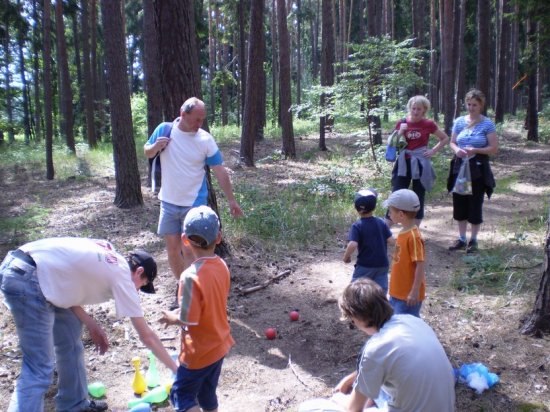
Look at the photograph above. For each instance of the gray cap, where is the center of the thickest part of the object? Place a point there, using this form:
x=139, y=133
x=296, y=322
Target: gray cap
x=403, y=199
x=201, y=222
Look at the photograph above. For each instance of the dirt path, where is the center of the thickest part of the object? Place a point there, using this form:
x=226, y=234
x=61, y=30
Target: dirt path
x=310, y=355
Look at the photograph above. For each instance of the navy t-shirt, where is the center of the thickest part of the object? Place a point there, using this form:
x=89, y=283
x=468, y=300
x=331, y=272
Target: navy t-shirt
x=371, y=235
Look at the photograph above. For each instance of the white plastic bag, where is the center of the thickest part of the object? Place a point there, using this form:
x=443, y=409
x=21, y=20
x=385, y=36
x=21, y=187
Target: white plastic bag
x=463, y=182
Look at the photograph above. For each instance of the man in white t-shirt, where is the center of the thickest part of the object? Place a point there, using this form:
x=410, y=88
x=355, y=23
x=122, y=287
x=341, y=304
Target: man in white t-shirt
x=45, y=284
x=402, y=364
x=185, y=149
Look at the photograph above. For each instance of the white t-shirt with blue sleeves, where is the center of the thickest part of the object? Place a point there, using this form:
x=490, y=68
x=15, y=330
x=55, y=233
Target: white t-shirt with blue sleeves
x=182, y=161
x=475, y=136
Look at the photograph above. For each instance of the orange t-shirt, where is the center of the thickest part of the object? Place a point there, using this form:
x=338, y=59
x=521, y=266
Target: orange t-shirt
x=409, y=249
x=203, y=291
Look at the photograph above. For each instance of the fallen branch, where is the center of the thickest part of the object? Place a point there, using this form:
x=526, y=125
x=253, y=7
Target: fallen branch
x=296, y=374
x=265, y=284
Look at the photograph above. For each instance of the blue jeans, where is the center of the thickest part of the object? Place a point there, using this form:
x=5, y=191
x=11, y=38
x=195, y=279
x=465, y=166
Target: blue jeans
x=193, y=386
x=379, y=275
x=400, y=307
x=41, y=328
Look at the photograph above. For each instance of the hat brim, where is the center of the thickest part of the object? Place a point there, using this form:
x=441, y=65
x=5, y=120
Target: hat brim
x=148, y=288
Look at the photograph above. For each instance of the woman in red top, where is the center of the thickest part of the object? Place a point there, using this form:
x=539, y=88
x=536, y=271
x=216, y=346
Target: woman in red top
x=414, y=164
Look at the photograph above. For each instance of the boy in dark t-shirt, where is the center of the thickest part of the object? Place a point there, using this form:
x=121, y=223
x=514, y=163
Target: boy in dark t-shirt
x=370, y=236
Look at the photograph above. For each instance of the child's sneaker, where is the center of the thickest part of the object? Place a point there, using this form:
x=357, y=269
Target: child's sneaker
x=472, y=246
x=458, y=245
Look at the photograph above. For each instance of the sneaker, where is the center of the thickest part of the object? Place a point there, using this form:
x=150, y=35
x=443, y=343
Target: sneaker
x=458, y=245
x=95, y=406
x=472, y=246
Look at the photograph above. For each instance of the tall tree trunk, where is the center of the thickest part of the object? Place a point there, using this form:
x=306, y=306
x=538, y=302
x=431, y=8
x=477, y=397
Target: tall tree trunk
x=298, y=51
x=224, y=60
x=37, y=42
x=24, y=86
x=538, y=322
x=276, y=118
x=288, y=149
x=327, y=67
x=242, y=52
x=418, y=14
x=513, y=69
x=502, y=62
x=211, y=60
x=434, y=72
x=179, y=65
x=484, y=49
x=531, y=117
x=87, y=75
x=446, y=24
x=77, y=64
x=314, y=40
x=66, y=99
x=460, y=72
x=128, y=188
x=252, y=115
x=48, y=92
x=7, y=81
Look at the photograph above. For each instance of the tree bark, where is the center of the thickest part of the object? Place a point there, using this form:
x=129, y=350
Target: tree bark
x=24, y=85
x=38, y=130
x=327, y=67
x=211, y=61
x=87, y=75
x=66, y=99
x=531, y=117
x=289, y=148
x=460, y=72
x=252, y=115
x=48, y=98
x=483, y=72
x=276, y=118
x=447, y=73
x=538, y=322
x=502, y=62
x=180, y=75
x=128, y=188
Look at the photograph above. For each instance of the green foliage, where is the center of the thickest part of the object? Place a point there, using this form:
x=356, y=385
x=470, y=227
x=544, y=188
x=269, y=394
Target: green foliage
x=501, y=271
x=139, y=117
x=27, y=226
x=378, y=75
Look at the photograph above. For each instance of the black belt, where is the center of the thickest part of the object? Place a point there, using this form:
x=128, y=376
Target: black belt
x=19, y=254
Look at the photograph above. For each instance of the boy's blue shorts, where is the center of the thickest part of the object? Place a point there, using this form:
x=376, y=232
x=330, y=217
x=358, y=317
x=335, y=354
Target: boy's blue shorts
x=400, y=307
x=196, y=386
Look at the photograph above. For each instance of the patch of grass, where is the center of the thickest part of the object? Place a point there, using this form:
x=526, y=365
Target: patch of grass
x=500, y=271
x=27, y=226
x=531, y=407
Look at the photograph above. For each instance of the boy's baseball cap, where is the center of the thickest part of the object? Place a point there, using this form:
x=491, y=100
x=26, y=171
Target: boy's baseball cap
x=201, y=222
x=365, y=200
x=146, y=261
x=403, y=199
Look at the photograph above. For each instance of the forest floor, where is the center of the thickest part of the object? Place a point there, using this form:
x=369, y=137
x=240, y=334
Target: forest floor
x=310, y=355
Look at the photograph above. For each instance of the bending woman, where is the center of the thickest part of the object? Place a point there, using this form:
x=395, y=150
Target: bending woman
x=414, y=164
x=474, y=137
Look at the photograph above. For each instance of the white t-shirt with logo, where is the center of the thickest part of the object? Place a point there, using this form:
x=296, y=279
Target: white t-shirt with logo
x=80, y=271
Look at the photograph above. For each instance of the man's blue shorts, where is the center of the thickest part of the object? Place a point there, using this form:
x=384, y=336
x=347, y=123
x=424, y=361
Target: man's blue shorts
x=171, y=218
x=196, y=386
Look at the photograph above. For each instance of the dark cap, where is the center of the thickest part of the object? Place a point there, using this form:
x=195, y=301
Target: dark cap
x=365, y=200
x=146, y=261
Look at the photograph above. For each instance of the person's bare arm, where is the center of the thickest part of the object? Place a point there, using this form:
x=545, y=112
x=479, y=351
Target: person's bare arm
x=225, y=183
x=96, y=332
x=152, y=341
x=419, y=276
x=346, y=383
x=357, y=401
x=443, y=140
x=350, y=249
x=151, y=150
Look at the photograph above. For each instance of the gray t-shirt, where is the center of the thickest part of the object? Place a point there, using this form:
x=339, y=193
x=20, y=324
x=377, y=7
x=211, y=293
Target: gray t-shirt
x=406, y=360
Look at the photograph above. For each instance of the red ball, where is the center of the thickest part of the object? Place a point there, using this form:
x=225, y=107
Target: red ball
x=271, y=333
x=294, y=315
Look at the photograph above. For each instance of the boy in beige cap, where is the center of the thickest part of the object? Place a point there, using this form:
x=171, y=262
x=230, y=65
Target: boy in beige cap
x=408, y=276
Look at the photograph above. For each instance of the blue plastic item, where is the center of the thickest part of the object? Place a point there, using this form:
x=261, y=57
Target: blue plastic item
x=477, y=376
x=141, y=407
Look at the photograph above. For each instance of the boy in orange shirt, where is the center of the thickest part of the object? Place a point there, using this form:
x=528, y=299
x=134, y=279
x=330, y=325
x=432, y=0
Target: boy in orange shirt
x=206, y=335
x=408, y=275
